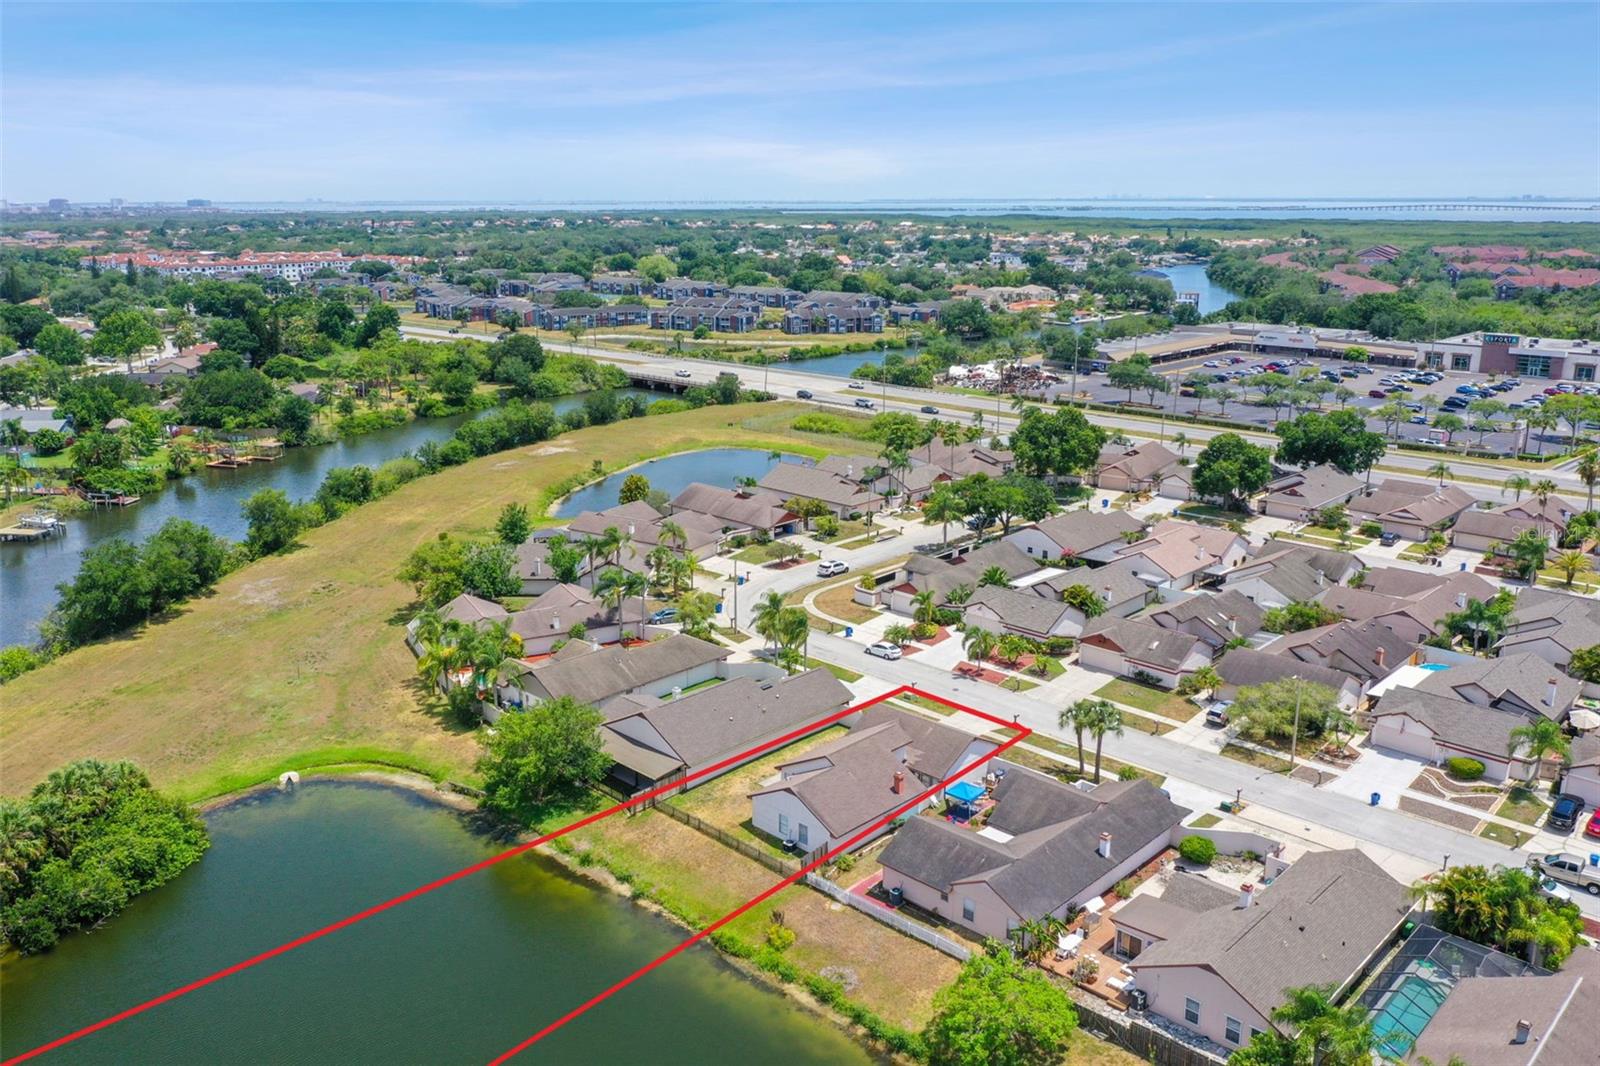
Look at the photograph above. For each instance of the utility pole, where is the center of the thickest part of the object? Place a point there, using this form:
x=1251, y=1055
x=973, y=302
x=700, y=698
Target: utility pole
x=1294, y=741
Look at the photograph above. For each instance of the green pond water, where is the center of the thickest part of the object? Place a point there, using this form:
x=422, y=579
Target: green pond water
x=456, y=976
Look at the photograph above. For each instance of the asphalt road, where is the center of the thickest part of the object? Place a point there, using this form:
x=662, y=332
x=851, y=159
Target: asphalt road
x=833, y=391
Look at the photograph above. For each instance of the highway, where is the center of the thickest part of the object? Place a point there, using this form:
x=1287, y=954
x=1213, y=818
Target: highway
x=1479, y=477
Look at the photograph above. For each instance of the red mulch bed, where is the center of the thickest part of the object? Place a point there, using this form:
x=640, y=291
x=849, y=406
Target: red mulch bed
x=943, y=634
x=910, y=649
x=786, y=564
x=980, y=673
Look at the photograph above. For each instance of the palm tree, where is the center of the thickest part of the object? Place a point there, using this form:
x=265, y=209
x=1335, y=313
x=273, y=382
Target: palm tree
x=615, y=540
x=1079, y=717
x=768, y=608
x=978, y=643
x=995, y=575
x=1106, y=719
x=681, y=575
x=950, y=436
x=1518, y=483
x=1572, y=563
x=670, y=530
x=1180, y=441
x=1338, y=1036
x=1480, y=617
x=695, y=611
x=924, y=607
x=959, y=595
x=1440, y=470
x=1013, y=647
x=1540, y=420
x=659, y=559
x=943, y=506
x=430, y=626
x=794, y=634
x=593, y=547
x=1538, y=739
x=1588, y=471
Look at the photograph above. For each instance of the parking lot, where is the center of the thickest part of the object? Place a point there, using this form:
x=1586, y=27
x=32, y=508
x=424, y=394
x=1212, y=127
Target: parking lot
x=1401, y=385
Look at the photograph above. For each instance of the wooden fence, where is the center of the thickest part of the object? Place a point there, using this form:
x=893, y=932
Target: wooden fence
x=786, y=867
x=894, y=920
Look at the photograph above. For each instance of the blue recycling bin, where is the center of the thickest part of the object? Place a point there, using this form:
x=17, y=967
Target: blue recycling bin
x=849, y=631
x=1594, y=860
x=719, y=606
x=1375, y=799
x=1105, y=502
x=742, y=578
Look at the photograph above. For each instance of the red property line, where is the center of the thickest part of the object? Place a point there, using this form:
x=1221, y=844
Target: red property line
x=546, y=838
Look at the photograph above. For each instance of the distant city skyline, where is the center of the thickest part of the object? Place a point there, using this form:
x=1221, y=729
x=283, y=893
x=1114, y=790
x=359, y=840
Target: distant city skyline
x=625, y=103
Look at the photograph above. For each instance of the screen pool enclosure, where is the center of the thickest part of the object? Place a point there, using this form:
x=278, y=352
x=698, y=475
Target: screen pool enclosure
x=1420, y=975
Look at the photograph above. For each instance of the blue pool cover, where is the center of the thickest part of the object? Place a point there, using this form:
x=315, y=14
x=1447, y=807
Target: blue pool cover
x=965, y=792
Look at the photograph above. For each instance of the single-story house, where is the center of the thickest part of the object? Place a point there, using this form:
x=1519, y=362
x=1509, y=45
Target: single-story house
x=940, y=575
x=1119, y=585
x=1085, y=535
x=550, y=619
x=1215, y=618
x=592, y=674
x=1298, y=496
x=1148, y=919
x=1129, y=646
x=1551, y=625
x=33, y=419
x=737, y=511
x=964, y=460
x=844, y=495
x=1516, y=1021
x=654, y=740
x=1046, y=847
x=1247, y=667
x=1436, y=728
x=1178, y=554
x=1415, y=615
x=1583, y=770
x=1368, y=651
x=1324, y=921
x=1280, y=573
x=1411, y=509
x=1521, y=683
x=840, y=791
x=1151, y=467
x=1479, y=530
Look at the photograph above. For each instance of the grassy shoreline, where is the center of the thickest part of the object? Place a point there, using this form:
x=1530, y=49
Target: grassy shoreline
x=301, y=652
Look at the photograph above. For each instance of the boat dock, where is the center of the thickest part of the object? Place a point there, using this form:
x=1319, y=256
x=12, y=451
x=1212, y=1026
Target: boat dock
x=36, y=525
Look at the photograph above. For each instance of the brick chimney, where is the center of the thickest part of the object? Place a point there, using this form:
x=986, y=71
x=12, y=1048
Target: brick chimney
x=1247, y=895
x=899, y=781
x=1380, y=656
x=1104, y=847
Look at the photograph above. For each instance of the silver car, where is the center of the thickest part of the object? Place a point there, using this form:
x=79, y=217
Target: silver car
x=884, y=650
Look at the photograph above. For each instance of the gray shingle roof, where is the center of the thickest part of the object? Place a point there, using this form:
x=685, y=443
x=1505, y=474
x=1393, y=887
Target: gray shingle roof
x=472, y=610
x=1116, y=583
x=1052, y=856
x=1457, y=722
x=1477, y=1022
x=1313, y=488
x=1021, y=609
x=793, y=479
x=1143, y=641
x=1515, y=679
x=1318, y=923
x=729, y=717
x=604, y=672
x=1367, y=651
x=1229, y=613
x=1243, y=667
x=1083, y=530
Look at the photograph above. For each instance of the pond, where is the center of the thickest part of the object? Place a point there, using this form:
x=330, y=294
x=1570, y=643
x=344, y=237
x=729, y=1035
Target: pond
x=455, y=976
x=29, y=573
x=1191, y=277
x=713, y=466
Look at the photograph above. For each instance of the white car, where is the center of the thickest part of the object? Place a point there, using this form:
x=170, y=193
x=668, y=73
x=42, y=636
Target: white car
x=682, y=374
x=855, y=385
x=1212, y=364
x=884, y=650
x=1555, y=890
x=830, y=567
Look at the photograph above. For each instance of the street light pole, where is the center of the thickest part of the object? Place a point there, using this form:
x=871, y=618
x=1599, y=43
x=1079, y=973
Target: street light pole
x=1294, y=740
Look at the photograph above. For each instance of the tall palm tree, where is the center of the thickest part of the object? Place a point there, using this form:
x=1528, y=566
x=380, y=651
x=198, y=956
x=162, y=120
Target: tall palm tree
x=1079, y=717
x=593, y=547
x=681, y=575
x=659, y=560
x=1588, y=471
x=924, y=607
x=794, y=637
x=1180, y=441
x=1537, y=740
x=1107, y=719
x=1337, y=1036
x=615, y=540
x=670, y=530
x=768, y=608
x=950, y=436
x=1440, y=470
x=616, y=585
x=1517, y=483
x=1541, y=421
x=430, y=626
x=943, y=506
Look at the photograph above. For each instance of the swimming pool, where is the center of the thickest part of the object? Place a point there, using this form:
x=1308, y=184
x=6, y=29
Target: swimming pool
x=1405, y=1013
x=1435, y=666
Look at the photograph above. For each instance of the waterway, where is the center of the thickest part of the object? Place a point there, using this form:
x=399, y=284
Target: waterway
x=455, y=976
x=1191, y=277
x=30, y=572
x=722, y=467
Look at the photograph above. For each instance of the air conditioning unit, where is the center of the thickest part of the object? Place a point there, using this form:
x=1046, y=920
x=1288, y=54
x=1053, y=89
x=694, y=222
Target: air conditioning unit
x=1138, y=1000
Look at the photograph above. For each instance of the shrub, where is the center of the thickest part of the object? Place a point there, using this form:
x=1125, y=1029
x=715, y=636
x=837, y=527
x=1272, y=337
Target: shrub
x=1198, y=850
x=1371, y=529
x=827, y=526
x=1124, y=888
x=1464, y=769
x=1086, y=970
x=780, y=937
x=846, y=862
x=1127, y=773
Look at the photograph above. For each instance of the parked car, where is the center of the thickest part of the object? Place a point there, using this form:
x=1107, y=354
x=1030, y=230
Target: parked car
x=1569, y=870
x=1564, y=814
x=1389, y=539
x=1467, y=390
x=682, y=374
x=1418, y=420
x=1211, y=364
x=1592, y=830
x=829, y=567
x=803, y=394
x=929, y=409
x=863, y=402
x=1378, y=394
x=1555, y=890
x=666, y=614
x=1217, y=714
x=884, y=650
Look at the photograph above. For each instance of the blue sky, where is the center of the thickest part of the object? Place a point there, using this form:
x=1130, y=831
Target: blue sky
x=625, y=102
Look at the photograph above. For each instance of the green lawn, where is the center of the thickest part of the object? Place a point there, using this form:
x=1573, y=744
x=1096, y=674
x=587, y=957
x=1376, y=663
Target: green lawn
x=1513, y=838
x=871, y=538
x=771, y=552
x=850, y=527
x=1205, y=821
x=1255, y=758
x=1522, y=805
x=1148, y=698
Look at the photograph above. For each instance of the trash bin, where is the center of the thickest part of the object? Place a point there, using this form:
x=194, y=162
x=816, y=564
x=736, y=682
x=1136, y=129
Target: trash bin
x=1375, y=799
x=742, y=578
x=1594, y=860
x=719, y=606
x=896, y=896
x=849, y=631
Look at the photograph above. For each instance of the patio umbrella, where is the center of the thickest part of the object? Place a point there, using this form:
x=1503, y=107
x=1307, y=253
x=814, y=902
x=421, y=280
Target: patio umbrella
x=1583, y=719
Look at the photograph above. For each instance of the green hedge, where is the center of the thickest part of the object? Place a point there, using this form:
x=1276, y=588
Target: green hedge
x=1464, y=769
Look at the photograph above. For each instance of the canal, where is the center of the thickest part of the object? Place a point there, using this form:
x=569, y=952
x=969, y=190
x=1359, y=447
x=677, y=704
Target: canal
x=1191, y=277
x=455, y=976
x=30, y=572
